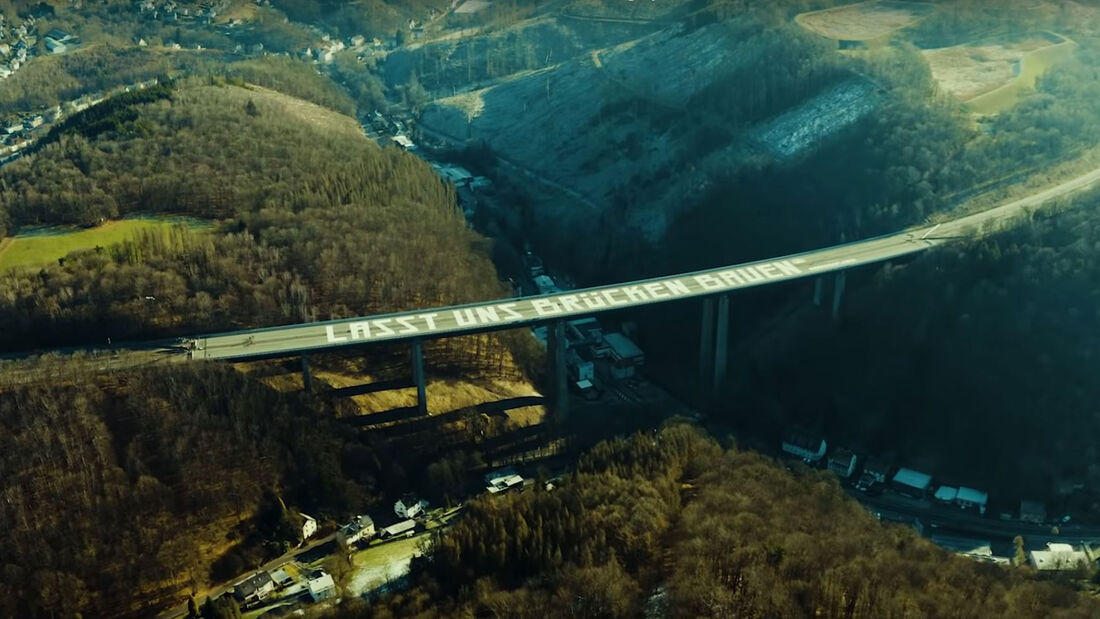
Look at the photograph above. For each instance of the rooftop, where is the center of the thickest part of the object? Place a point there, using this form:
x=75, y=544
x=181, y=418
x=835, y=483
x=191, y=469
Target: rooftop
x=970, y=495
x=804, y=440
x=622, y=345
x=913, y=479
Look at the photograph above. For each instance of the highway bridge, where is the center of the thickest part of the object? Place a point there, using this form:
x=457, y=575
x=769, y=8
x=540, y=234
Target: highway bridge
x=713, y=286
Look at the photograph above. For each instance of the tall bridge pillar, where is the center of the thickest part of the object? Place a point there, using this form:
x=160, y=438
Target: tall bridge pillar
x=838, y=293
x=706, y=340
x=307, y=380
x=418, y=377
x=714, y=342
x=559, y=381
x=819, y=288
x=721, y=340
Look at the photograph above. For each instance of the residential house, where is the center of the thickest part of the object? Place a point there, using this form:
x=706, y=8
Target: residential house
x=502, y=480
x=281, y=578
x=626, y=356
x=913, y=483
x=253, y=589
x=842, y=462
x=1033, y=511
x=946, y=494
x=309, y=526
x=969, y=497
x=810, y=448
x=360, y=528
x=322, y=587
x=1058, y=557
x=404, y=142
x=409, y=506
x=875, y=471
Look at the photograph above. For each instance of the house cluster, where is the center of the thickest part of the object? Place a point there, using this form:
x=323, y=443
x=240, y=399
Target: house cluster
x=171, y=11
x=17, y=41
x=59, y=41
x=876, y=474
x=326, y=50
x=588, y=347
x=313, y=585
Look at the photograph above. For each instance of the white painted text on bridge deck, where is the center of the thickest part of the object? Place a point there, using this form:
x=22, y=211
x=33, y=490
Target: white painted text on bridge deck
x=566, y=304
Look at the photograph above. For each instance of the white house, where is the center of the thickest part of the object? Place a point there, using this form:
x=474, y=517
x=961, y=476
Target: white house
x=1057, y=557
x=947, y=494
x=810, y=448
x=409, y=507
x=360, y=527
x=504, y=479
x=404, y=142
x=912, y=482
x=969, y=497
x=322, y=587
x=309, y=526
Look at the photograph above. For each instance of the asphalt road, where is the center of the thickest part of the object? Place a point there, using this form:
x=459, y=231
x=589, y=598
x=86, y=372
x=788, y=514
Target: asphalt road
x=512, y=313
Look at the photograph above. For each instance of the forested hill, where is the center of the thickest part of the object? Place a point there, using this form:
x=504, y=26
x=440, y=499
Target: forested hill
x=668, y=524
x=121, y=490
x=975, y=363
x=318, y=221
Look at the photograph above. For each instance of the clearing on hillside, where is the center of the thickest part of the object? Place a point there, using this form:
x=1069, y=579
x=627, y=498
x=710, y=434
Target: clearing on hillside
x=864, y=21
x=36, y=247
x=991, y=75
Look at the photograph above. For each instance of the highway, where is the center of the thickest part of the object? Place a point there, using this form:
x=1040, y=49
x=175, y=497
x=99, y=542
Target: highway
x=513, y=313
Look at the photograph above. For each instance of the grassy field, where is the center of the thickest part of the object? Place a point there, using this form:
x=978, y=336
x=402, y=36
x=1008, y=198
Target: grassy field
x=990, y=76
x=382, y=563
x=35, y=247
x=863, y=21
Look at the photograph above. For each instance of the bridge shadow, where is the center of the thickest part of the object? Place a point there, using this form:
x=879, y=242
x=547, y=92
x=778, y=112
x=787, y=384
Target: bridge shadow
x=409, y=419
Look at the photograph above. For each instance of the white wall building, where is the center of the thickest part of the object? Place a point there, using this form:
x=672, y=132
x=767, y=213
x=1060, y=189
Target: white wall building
x=969, y=497
x=409, y=507
x=1058, y=557
x=322, y=587
x=309, y=526
x=810, y=448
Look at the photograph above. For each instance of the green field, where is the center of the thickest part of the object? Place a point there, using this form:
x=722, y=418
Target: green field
x=35, y=247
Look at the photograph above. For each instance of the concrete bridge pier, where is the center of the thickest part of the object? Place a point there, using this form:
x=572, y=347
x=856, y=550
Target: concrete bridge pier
x=714, y=341
x=307, y=380
x=838, y=293
x=418, y=377
x=819, y=288
x=706, y=340
x=559, y=381
x=721, y=341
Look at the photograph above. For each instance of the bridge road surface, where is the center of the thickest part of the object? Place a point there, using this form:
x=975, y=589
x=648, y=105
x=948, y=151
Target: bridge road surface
x=513, y=313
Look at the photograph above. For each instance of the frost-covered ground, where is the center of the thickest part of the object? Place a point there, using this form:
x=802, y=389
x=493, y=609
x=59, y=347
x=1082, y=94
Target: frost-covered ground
x=796, y=130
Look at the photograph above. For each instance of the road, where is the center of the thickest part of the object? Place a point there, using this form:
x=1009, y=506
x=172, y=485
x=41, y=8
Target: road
x=217, y=590
x=526, y=311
